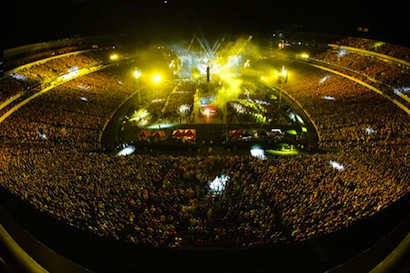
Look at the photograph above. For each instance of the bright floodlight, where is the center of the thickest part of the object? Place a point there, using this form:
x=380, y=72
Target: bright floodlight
x=219, y=183
x=185, y=109
x=258, y=153
x=283, y=71
x=282, y=76
x=304, y=56
x=336, y=165
x=341, y=52
x=322, y=80
x=299, y=118
x=42, y=134
x=247, y=63
x=328, y=98
x=126, y=151
x=137, y=74
x=114, y=57
x=370, y=131
x=401, y=90
x=157, y=78
x=72, y=72
x=160, y=126
x=18, y=77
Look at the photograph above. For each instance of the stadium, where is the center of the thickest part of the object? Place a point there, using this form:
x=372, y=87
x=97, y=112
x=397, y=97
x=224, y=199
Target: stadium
x=233, y=154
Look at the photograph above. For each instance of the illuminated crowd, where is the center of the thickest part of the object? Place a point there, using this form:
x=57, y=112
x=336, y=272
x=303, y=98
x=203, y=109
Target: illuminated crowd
x=396, y=51
x=166, y=201
x=381, y=73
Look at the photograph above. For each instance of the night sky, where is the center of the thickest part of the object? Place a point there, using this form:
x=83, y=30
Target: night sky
x=29, y=21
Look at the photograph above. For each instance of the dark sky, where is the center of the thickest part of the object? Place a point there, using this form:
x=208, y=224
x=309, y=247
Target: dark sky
x=28, y=21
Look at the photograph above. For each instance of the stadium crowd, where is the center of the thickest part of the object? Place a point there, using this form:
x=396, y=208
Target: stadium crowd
x=388, y=49
x=166, y=201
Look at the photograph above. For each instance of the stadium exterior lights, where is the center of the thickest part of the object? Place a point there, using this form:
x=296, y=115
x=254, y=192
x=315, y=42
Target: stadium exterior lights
x=137, y=74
